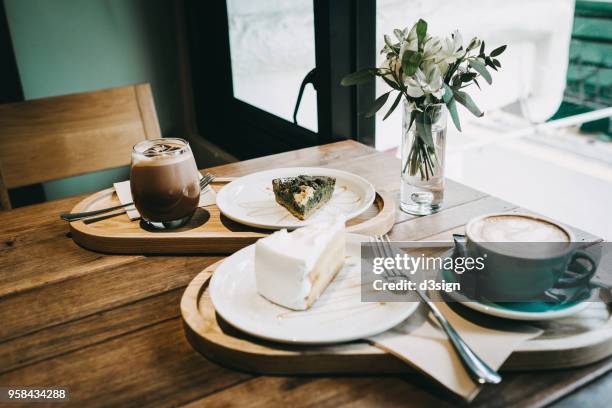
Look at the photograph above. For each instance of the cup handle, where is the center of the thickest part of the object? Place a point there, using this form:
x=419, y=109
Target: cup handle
x=581, y=277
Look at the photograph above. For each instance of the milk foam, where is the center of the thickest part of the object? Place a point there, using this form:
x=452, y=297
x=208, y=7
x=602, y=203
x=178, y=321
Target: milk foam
x=162, y=160
x=516, y=228
x=146, y=156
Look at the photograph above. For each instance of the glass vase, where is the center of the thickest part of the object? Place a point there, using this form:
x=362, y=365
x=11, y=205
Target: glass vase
x=423, y=148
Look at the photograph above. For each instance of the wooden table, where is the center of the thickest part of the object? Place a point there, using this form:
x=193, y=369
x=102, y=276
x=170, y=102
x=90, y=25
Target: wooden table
x=108, y=327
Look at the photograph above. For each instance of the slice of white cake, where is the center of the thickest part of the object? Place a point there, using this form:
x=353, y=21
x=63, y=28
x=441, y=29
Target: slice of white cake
x=292, y=269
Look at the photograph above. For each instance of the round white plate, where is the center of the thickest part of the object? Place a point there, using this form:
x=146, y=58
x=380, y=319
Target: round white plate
x=337, y=316
x=250, y=200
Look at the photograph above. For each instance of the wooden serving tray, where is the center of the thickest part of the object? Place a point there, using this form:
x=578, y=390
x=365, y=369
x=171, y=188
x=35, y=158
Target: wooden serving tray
x=574, y=341
x=208, y=231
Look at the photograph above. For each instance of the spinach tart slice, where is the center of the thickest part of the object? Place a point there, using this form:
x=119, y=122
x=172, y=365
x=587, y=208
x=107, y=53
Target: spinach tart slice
x=303, y=195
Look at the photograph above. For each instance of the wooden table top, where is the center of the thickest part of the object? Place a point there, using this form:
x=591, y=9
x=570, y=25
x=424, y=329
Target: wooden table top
x=108, y=327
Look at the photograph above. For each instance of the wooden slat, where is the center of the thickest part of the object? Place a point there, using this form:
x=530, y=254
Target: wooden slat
x=50, y=138
x=5, y=201
x=538, y=389
x=325, y=392
x=418, y=228
x=31, y=259
x=94, y=328
x=455, y=194
x=154, y=366
x=102, y=289
x=329, y=154
x=146, y=107
x=522, y=390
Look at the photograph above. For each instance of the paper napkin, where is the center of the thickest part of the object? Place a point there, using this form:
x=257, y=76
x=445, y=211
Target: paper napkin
x=422, y=344
x=124, y=193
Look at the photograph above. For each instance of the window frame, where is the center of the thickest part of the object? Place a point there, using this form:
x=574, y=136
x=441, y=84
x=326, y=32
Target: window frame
x=344, y=42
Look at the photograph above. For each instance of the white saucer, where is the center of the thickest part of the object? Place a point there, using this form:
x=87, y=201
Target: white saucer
x=249, y=200
x=337, y=316
x=498, y=311
x=526, y=311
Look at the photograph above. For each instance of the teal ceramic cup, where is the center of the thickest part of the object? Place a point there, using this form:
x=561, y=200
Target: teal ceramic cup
x=521, y=271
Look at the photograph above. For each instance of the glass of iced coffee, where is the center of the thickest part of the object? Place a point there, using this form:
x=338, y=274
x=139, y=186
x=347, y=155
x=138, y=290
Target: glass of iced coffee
x=164, y=180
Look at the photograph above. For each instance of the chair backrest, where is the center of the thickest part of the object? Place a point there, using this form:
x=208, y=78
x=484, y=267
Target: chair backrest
x=62, y=136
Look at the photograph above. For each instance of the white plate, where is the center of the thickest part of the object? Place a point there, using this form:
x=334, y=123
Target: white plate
x=249, y=200
x=337, y=316
x=520, y=310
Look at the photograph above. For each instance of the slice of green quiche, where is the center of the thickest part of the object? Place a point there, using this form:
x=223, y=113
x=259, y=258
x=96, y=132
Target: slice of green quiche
x=303, y=195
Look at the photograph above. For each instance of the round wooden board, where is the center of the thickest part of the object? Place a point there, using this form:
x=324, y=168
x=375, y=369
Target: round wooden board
x=208, y=231
x=574, y=341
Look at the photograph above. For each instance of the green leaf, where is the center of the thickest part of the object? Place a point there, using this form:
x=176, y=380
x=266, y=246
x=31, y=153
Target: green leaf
x=482, y=48
x=411, y=61
x=395, y=103
x=358, y=77
x=481, y=69
x=498, y=51
x=489, y=63
x=391, y=83
x=412, y=118
x=378, y=103
x=393, y=47
x=497, y=63
x=421, y=32
x=467, y=101
x=449, y=100
x=423, y=127
x=468, y=76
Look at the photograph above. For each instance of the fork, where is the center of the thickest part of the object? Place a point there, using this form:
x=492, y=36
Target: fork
x=478, y=370
x=204, y=181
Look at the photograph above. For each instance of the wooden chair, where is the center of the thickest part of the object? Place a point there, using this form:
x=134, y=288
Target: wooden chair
x=62, y=136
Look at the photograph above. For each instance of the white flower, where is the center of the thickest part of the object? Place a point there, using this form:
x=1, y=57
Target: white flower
x=414, y=84
x=425, y=81
x=432, y=47
x=409, y=41
x=450, y=51
x=391, y=64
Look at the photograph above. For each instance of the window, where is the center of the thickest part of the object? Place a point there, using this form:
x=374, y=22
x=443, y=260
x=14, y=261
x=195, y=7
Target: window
x=249, y=59
x=272, y=45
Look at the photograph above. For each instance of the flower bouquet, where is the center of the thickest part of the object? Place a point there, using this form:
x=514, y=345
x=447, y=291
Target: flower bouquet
x=429, y=73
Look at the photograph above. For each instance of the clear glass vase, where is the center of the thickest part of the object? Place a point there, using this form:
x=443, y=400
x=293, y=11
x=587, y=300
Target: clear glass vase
x=423, y=148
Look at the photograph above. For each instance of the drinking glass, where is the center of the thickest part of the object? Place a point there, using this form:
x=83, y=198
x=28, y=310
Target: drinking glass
x=164, y=180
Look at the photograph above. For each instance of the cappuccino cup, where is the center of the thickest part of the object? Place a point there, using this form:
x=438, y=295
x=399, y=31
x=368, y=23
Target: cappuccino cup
x=524, y=256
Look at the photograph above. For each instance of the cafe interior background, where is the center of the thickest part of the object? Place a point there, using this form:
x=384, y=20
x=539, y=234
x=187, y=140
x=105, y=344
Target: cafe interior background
x=242, y=79
x=226, y=76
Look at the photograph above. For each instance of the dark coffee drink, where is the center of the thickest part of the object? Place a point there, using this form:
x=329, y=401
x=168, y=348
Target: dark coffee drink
x=164, y=182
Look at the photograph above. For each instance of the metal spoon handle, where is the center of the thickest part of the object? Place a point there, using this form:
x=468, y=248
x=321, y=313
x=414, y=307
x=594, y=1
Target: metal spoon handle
x=80, y=215
x=478, y=370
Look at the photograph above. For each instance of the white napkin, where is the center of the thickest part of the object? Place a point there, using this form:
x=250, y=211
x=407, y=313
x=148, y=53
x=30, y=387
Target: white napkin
x=425, y=347
x=124, y=193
